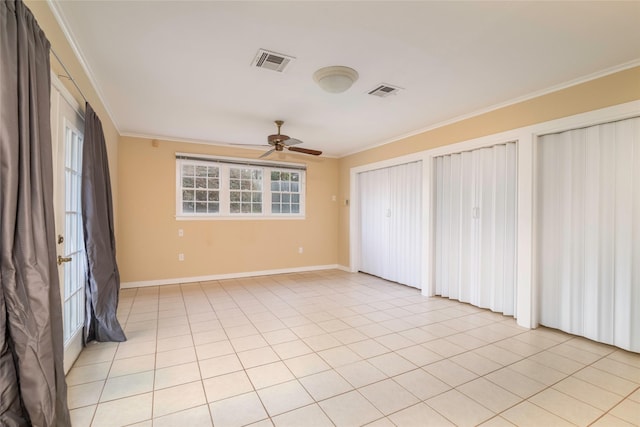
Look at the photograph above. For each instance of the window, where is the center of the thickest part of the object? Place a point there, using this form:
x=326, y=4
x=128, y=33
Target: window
x=234, y=188
x=200, y=188
x=245, y=190
x=285, y=192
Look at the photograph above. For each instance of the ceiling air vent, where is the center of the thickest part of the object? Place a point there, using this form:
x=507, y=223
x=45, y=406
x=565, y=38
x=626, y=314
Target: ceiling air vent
x=384, y=90
x=271, y=60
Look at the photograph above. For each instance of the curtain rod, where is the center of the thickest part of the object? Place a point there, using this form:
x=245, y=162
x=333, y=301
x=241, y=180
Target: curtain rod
x=68, y=74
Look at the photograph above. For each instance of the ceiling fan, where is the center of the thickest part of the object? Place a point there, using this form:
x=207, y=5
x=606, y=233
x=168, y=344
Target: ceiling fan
x=279, y=142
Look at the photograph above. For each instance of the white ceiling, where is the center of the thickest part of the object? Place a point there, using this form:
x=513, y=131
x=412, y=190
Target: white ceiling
x=182, y=70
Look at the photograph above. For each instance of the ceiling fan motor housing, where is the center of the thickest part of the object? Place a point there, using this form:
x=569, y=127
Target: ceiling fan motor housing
x=276, y=139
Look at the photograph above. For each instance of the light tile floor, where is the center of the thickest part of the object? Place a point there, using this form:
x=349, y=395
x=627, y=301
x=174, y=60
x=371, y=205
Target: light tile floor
x=337, y=349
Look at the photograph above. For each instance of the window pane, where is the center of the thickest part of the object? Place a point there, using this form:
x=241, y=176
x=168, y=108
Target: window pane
x=295, y=176
x=256, y=185
x=187, y=207
x=234, y=173
x=187, y=182
x=246, y=208
x=275, y=176
x=246, y=197
x=201, y=207
x=213, y=183
x=295, y=208
x=245, y=174
x=284, y=186
x=285, y=208
x=235, y=207
x=275, y=186
x=295, y=187
x=187, y=195
x=275, y=208
x=201, y=195
x=286, y=198
x=214, y=207
x=275, y=197
x=284, y=176
x=213, y=196
x=234, y=196
x=295, y=198
x=188, y=170
x=257, y=207
x=256, y=174
x=245, y=185
x=201, y=182
x=213, y=172
x=256, y=197
x=201, y=170
x=234, y=184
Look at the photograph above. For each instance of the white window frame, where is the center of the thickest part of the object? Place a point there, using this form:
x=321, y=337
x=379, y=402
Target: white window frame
x=225, y=164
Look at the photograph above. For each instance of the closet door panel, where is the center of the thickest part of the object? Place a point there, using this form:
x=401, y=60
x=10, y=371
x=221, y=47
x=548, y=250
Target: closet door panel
x=374, y=224
x=508, y=272
x=475, y=227
x=464, y=253
x=391, y=223
x=588, y=241
x=439, y=241
x=405, y=222
x=486, y=218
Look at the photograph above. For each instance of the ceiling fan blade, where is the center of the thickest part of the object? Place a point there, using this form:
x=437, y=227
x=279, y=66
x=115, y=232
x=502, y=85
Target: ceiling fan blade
x=305, y=151
x=265, y=154
x=249, y=145
x=292, y=141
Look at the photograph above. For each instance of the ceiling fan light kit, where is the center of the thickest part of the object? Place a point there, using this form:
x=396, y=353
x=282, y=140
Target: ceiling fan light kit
x=335, y=79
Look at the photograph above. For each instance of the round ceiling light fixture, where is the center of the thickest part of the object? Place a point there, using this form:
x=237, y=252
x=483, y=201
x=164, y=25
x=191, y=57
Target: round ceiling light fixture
x=335, y=79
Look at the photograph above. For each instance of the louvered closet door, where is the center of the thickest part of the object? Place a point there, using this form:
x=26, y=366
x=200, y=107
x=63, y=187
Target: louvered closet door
x=374, y=222
x=475, y=227
x=391, y=223
x=588, y=255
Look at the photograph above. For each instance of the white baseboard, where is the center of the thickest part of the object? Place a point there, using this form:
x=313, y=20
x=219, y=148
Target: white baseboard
x=344, y=268
x=178, y=280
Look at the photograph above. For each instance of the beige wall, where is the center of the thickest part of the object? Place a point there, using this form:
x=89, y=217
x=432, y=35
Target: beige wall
x=148, y=242
x=59, y=44
x=144, y=188
x=611, y=90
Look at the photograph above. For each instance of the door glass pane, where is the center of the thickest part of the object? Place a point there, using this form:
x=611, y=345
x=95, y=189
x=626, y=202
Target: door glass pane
x=74, y=270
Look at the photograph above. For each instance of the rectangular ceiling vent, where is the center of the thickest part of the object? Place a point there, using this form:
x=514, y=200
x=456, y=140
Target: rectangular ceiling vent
x=384, y=90
x=271, y=60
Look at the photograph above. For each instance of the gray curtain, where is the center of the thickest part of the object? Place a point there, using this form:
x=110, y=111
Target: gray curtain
x=32, y=384
x=103, y=281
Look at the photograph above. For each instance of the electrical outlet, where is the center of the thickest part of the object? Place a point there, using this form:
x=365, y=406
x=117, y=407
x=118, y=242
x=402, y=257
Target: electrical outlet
x=180, y=257
x=300, y=250
x=180, y=232
x=333, y=198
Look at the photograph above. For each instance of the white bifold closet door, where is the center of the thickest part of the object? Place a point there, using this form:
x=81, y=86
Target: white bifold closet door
x=475, y=227
x=390, y=201
x=588, y=215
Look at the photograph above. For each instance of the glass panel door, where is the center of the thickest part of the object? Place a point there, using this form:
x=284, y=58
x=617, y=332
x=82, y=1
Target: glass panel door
x=67, y=125
x=74, y=254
